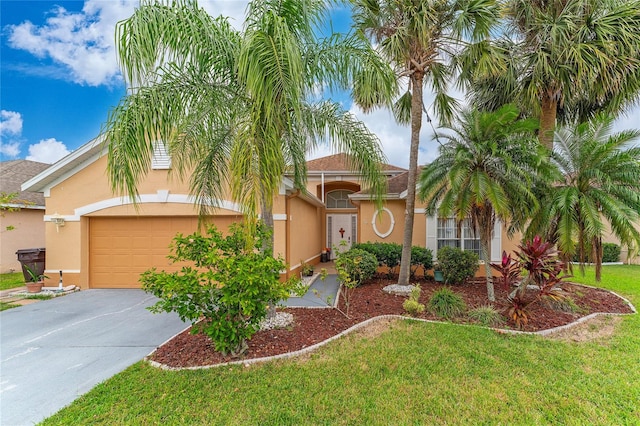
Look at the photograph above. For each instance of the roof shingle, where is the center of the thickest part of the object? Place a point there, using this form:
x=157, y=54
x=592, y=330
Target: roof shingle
x=338, y=162
x=14, y=173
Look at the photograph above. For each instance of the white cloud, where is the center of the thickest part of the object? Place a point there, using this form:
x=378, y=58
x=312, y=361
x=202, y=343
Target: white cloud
x=10, y=130
x=47, y=151
x=82, y=43
x=10, y=123
x=395, y=139
x=11, y=149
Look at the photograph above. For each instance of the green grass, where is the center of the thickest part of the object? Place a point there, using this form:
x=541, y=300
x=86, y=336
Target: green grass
x=622, y=278
x=39, y=296
x=4, y=306
x=414, y=373
x=11, y=280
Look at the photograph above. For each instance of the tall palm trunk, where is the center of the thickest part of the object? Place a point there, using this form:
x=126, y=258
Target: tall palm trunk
x=416, y=125
x=267, y=246
x=485, y=255
x=597, y=256
x=548, y=115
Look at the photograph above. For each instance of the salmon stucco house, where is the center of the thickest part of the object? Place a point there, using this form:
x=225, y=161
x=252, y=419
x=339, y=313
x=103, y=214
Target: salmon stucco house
x=99, y=240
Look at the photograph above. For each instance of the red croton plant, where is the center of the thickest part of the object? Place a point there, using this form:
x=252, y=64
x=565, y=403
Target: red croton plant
x=544, y=268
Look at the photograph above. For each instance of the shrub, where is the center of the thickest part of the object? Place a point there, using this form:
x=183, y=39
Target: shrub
x=457, y=265
x=412, y=305
x=229, y=286
x=354, y=266
x=543, y=266
x=610, y=252
x=359, y=265
x=387, y=254
x=509, y=271
x=421, y=258
x=486, y=315
x=446, y=304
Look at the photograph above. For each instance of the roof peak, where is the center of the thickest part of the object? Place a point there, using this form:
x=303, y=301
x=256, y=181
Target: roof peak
x=339, y=163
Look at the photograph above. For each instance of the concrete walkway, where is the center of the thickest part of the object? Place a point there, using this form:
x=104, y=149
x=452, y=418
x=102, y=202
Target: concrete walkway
x=321, y=294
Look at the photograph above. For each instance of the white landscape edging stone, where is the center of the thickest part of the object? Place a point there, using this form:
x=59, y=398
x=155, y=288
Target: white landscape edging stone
x=353, y=328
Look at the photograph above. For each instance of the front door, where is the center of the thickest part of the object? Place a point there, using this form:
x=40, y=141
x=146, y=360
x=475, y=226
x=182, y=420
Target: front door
x=341, y=232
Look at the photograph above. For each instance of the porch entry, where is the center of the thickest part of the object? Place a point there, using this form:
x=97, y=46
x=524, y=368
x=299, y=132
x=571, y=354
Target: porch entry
x=341, y=232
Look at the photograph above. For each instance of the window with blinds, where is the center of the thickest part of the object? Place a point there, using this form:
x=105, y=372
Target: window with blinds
x=450, y=235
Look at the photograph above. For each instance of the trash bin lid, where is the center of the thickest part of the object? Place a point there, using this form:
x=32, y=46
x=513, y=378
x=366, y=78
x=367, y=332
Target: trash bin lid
x=31, y=250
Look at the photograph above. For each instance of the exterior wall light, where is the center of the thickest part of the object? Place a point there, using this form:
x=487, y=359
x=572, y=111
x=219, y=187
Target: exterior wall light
x=58, y=219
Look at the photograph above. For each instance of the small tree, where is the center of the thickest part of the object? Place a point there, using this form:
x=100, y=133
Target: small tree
x=229, y=285
x=354, y=266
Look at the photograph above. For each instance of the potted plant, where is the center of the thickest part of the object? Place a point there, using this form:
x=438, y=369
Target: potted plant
x=437, y=273
x=36, y=280
x=306, y=268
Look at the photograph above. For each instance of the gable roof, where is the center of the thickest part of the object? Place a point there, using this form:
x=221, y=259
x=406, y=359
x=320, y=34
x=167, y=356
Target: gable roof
x=396, y=187
x=65, y=167
x=338, y=163
x=13, y=174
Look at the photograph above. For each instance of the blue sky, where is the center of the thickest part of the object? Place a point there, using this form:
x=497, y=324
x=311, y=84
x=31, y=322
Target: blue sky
x=59, y=79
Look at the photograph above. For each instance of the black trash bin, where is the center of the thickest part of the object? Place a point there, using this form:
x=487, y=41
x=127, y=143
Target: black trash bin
x=34, y=258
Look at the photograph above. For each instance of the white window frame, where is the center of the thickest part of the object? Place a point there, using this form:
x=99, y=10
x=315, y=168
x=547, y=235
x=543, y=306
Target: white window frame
x=433, y=237
x=344, y=198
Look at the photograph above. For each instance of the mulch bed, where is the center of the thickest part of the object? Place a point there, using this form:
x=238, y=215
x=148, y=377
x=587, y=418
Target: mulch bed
x=315, y=325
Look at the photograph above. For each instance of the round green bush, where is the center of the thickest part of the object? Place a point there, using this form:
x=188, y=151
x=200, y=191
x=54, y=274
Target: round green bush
x=359, y=265
x=457, y=265
x=421, y=257
x=610, y=252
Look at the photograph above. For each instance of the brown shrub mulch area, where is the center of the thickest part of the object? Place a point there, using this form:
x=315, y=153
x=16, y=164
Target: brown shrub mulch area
x=314, y=325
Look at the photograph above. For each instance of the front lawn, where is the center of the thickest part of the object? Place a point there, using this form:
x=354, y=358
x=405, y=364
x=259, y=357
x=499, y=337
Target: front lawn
x=11, y=280
x=412, y=373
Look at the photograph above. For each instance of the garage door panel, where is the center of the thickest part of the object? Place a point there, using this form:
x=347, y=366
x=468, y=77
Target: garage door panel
x=120, y=249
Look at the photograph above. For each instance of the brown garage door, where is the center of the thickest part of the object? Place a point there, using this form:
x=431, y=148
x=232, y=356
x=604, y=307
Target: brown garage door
x=120, y=249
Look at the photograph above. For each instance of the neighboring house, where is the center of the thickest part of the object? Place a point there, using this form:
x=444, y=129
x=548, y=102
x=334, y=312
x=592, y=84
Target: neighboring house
x=22, y=219
x=105, y=242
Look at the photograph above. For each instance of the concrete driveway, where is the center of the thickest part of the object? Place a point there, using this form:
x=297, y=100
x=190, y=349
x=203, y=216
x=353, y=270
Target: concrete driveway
x=56, y=350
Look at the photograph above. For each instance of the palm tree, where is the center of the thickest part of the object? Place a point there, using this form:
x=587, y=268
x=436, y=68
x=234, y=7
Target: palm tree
x=485, y=171
x=236, y=109
x=420, y=39
x=600, y=181
x=564, y=60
